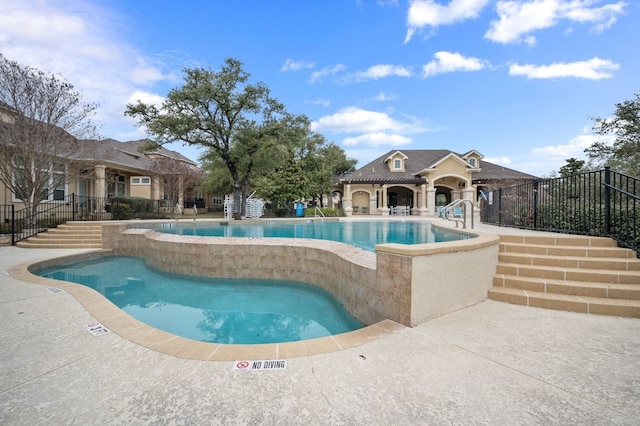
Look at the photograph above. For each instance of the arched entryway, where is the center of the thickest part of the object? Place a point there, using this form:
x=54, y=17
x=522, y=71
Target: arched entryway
x=443, y=196
x=361, y=202
x=399, y=196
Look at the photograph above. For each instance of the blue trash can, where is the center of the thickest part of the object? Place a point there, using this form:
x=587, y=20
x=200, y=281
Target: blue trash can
x=299, y=210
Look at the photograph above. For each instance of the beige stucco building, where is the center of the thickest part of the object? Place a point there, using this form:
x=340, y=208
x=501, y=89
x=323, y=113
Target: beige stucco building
x=417, y=182
x=116, y=169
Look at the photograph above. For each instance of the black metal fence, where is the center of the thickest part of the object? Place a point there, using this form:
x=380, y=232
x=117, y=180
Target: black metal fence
x=600, y=203
x=19, y=224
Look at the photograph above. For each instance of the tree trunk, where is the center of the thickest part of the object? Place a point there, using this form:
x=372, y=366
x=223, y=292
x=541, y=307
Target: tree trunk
x=237, y=201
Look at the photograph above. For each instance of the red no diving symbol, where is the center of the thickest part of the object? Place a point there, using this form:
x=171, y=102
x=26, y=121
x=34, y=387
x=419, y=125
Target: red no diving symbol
x=242, y=364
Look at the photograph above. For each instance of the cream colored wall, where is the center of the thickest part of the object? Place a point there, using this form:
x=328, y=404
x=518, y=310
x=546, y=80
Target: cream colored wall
x=450, y=167
x=435, y=293
x=141, y=191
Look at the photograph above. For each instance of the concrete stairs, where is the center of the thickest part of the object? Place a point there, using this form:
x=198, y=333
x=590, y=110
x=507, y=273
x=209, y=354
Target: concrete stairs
x=69, y=235
x=579, y=274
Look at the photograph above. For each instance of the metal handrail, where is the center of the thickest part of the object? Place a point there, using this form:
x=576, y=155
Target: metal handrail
x=445, y=213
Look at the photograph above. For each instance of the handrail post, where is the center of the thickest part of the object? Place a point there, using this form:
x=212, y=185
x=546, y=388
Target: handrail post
x=607, y=200
x=500, y=206
x=535, y=204
x=13, y=225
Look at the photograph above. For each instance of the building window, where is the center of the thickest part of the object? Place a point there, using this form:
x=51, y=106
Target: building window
x=50, y=174
x=141, y=180
x=116, y=186
x=397, y=164
x=472, y=162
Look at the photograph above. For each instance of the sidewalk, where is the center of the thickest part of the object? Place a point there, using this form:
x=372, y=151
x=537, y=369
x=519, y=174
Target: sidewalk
x=492, y=363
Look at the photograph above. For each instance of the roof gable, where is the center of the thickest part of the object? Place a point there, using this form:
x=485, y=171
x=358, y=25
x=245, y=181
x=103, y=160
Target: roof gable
x=420, y=161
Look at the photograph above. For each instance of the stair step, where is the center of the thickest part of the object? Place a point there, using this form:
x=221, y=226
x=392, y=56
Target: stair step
x=569, y=274
x=609, y=252
x=574, y=262
x=75, y=231
x=58, y=236
x=29, y=244
x=559, y=240
x=68, y=235
x=587, y=305
x=50, y=241
x=575, y=288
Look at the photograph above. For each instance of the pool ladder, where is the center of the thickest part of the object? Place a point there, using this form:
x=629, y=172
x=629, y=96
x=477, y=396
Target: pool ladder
x=457, y=212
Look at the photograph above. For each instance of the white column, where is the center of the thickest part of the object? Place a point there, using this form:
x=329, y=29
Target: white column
x=100, y=186
x=431, y=200
x=347, y=200
x=384, y=209
x=423, y=199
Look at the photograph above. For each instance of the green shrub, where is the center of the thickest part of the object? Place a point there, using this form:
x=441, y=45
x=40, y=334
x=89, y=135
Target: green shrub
x=120, y=211
x=326, y=211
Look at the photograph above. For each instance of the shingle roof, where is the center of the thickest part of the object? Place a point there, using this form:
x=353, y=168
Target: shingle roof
x=125, y=154
x=378, y=172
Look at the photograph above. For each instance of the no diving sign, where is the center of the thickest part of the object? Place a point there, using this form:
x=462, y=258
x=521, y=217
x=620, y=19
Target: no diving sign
x=268, y=364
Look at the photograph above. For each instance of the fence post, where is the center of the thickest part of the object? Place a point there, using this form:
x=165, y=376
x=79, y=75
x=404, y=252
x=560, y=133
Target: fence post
x=607, y=200
x=13, y=225
x=73, y=206
x=500, y=206
x=535, y=204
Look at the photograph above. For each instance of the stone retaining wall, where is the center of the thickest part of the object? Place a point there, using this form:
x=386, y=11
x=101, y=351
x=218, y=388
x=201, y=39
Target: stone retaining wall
x=408, y=284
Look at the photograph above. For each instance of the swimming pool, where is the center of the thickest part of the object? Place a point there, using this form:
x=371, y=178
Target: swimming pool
x=231, y=311
x=360, y=234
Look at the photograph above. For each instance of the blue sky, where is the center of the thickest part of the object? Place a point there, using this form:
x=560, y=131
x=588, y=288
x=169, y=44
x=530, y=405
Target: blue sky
x=515, y=80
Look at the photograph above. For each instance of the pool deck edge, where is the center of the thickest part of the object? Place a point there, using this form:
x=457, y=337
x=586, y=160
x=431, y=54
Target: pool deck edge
x=127, y=327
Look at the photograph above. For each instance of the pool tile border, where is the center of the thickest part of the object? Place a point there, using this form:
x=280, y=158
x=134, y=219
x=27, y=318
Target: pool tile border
x=142, y=334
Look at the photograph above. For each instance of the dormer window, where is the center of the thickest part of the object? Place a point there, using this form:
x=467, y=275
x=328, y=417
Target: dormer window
x=396, y=162
x=472, y=162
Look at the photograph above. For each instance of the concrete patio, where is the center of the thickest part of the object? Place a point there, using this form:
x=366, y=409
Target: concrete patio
x=492, y=363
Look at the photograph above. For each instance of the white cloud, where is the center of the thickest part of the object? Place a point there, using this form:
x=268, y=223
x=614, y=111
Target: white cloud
x=445, y=62
x=516, y=18
x=545, y=159
x=147, y=98
x=503, y=161
x=384, y=97
x=379, y=71
x=377, y=139
x=428, y=13
x=357, y=120
x=291, y=65
x=81, y=41
x=318, y=75
x=573, y=149
x=593, y=69
x=322, y=102
x=145, y=73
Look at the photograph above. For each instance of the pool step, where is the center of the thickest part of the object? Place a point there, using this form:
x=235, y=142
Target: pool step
x=579, y=274
x=68, y=235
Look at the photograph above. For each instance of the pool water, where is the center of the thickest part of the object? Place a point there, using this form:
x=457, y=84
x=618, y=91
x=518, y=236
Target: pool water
x=360, y=234
x=240, y=311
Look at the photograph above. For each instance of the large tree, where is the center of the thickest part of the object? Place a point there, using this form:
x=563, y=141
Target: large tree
x=623, y=154
x=331, y=160
x=221, y=111
x=306, y=161
x=573, y=167
x=41, y=119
